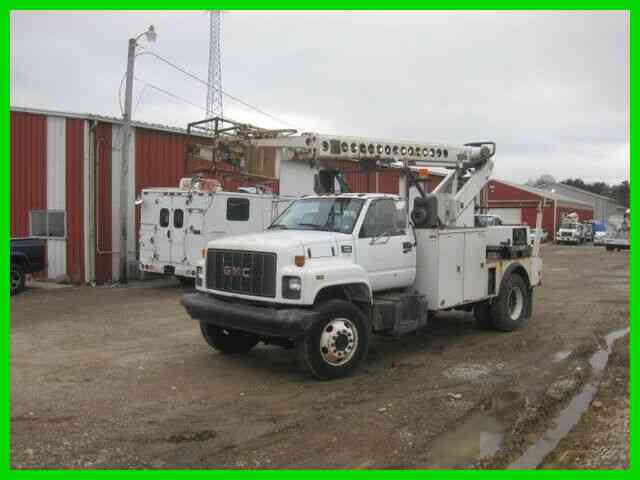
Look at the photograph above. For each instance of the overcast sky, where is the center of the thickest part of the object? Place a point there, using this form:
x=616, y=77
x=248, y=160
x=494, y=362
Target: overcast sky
x=552, y=89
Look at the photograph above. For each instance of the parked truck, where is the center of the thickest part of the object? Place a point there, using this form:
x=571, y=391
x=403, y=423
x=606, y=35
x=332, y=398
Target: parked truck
x=335, y=268
x=176, y=223
x=28, y=255
x=621, y=238
x=571, y=230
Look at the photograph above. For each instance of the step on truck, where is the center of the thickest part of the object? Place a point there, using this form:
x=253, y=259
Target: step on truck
x=335, y=268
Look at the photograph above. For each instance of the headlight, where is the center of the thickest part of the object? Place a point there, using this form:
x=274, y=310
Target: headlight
x=291, y=287
x=199, y=276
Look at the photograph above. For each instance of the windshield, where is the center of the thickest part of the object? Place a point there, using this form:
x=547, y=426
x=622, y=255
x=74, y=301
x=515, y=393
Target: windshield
x=326, y=214
x=487, y=221
x=569, y=226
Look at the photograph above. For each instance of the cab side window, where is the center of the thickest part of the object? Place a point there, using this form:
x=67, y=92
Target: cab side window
x=381, y=219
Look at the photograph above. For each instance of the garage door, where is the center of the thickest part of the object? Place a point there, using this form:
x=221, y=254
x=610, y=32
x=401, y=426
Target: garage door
x=509, y=216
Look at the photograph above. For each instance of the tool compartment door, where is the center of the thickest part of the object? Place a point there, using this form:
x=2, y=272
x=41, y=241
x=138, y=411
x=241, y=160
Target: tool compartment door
x=163, y=234
x=195, y=238
x=450, y=269
x=149, y=213
x=475, y=272
x=177, y=231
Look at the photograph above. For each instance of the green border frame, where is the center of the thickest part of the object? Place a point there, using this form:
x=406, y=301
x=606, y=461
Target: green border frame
x=5, y=179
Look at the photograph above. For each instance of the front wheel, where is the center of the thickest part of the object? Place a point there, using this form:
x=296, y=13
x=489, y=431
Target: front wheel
x=511, y=308
x=227, y=340
x=336, y=343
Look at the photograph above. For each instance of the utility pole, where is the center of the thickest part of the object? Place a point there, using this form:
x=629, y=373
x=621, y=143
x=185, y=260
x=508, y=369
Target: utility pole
x=123, y=251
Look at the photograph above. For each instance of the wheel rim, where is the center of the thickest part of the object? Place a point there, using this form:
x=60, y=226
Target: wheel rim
x=339, y=341
x=15, y=280
x=516, y=303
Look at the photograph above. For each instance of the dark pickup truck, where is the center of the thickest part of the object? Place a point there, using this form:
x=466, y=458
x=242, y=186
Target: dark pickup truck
x=28, y=255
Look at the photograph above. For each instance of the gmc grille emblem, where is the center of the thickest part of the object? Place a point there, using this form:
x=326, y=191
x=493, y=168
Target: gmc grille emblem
x=230, y=271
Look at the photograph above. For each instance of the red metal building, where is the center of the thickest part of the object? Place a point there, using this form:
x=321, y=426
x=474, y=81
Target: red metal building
x=65, y=184
x=519, y=204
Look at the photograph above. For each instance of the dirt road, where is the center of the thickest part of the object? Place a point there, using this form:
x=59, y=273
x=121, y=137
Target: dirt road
x=121, y=377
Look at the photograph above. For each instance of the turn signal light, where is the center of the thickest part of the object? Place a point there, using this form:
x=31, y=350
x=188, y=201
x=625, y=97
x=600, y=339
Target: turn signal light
x=299, y=260
x=423, y=172
x=203, y=252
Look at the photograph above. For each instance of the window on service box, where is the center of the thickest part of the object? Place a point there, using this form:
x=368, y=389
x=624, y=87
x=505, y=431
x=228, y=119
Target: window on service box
x=238, y=209
x=178, y=218
x=164, y=217
x=48, y=223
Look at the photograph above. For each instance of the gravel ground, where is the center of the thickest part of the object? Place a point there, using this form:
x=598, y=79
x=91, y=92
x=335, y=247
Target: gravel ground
x=121, y=377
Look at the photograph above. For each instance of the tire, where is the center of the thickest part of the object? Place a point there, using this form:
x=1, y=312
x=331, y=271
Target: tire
x=228, y=341
x=18, y=278
x=482, y=315
x=341, y=323
x=609, y=248
x=187, y=282
x=510, y=310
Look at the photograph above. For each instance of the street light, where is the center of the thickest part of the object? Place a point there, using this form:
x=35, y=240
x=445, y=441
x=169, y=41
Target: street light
x=151, y=36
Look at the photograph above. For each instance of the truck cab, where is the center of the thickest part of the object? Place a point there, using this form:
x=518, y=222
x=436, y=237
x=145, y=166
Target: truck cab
x=333, y=269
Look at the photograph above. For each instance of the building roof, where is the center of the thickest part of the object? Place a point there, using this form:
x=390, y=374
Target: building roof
x=546, y=186
x=545, y=193
x=101, y=118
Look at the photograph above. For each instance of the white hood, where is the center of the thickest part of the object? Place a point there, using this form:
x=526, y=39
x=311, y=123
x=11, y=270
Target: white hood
x=274, y=240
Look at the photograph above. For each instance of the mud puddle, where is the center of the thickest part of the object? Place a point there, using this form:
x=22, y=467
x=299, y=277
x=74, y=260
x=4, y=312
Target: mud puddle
x=480, y=435
x=571, y=414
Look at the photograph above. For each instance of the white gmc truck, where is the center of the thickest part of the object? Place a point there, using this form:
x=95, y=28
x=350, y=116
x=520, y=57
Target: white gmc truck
x=334, y=269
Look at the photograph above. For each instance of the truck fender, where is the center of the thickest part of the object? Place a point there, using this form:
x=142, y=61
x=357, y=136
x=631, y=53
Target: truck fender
x=517, y=268
x=359, y=291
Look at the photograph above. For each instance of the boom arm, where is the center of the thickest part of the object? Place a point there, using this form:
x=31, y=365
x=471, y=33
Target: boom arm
x=454, y=202
x=316, y=147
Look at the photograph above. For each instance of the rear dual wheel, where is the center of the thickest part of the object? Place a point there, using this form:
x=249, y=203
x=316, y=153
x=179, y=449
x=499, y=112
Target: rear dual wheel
x=510, y=310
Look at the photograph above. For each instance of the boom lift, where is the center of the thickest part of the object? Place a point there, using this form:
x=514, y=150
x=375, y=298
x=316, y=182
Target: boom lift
x=334, y=268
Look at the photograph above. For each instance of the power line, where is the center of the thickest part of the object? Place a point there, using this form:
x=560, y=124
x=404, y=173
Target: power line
x=167, y=92
x=226, y=94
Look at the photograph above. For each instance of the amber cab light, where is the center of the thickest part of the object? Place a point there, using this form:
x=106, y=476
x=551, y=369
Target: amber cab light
x=299, y=260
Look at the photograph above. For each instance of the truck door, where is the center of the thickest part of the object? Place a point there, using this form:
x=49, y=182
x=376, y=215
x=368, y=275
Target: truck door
x=386, y=245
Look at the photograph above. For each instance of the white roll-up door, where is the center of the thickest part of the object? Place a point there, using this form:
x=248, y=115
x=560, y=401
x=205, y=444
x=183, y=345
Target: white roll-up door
x=509, y=216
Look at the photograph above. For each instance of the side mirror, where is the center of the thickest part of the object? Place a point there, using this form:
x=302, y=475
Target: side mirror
x=138, y=201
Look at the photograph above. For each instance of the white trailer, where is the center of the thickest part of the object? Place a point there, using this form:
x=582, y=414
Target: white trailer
x=335, y=268
x=177, y=223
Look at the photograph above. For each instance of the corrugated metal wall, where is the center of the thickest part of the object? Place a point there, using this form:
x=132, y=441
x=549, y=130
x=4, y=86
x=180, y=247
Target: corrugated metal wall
x=102, y=192
x=160, y=158
x=28, y=169
x=75, y=199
